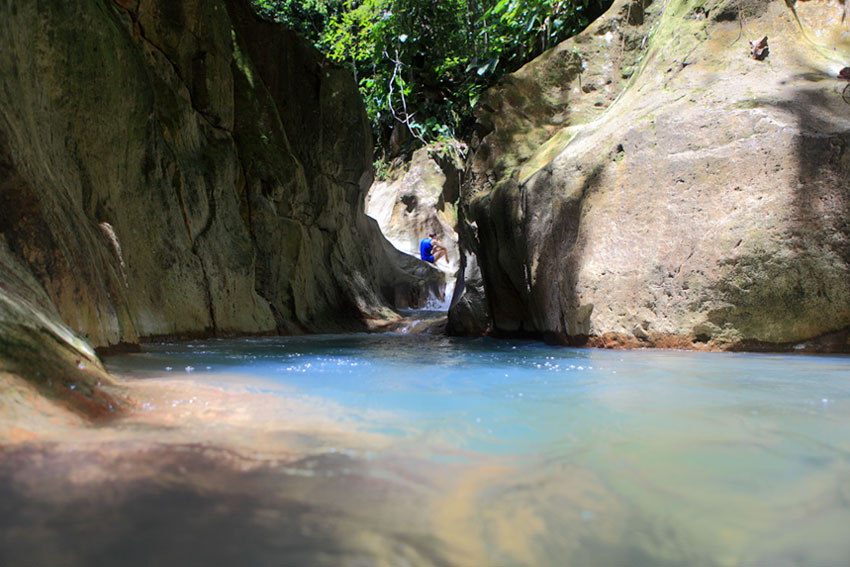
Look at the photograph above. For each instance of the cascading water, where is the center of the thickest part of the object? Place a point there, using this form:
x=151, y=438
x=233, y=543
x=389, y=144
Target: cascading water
x=441, y=303
x=431, y=317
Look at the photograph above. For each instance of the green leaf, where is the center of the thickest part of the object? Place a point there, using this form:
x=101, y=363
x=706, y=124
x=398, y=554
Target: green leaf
x=499, y=7
x=449, y=55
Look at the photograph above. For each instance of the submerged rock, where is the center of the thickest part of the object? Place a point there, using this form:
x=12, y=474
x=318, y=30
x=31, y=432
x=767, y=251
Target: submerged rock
x=649, y=182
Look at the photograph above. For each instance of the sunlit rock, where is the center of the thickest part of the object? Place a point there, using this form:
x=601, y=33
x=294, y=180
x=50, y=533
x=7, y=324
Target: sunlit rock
x=418, y=199
x=650, y=182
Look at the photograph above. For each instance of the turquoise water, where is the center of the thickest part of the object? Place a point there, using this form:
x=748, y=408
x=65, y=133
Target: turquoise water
x=517, y=453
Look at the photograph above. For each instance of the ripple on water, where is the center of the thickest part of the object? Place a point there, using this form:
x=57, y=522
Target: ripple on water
x=388, y=449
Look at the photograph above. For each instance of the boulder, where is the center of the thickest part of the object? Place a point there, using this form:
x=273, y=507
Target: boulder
x=656, y=182
x=468, y=314
x=46, y=370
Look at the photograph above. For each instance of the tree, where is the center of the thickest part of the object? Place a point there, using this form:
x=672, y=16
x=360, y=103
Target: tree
x=424, y=63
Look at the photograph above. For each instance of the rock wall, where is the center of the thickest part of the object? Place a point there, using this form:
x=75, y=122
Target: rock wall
x=419, y=198
x=650, y=182
x=41, y=359
x=182, y=168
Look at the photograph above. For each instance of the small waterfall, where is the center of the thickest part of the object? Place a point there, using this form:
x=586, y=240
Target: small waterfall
x=431, y=318
x=441, y=304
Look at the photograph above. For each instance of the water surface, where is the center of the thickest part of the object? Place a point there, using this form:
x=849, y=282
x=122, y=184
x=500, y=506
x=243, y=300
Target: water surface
x=425, y=450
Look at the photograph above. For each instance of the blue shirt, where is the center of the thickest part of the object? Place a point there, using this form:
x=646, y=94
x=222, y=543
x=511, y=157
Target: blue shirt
x=425, y=248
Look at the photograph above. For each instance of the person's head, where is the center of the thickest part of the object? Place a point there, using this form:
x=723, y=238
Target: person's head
x=432, y=235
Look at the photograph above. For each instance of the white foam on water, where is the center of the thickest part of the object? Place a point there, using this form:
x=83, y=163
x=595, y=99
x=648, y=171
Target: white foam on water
x=441, y=304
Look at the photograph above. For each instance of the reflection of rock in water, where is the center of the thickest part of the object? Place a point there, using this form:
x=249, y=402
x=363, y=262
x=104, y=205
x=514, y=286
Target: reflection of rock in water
x=145, y=503
x=207, y=475
x=194, y=505
x=555, y=514
x=232, y=474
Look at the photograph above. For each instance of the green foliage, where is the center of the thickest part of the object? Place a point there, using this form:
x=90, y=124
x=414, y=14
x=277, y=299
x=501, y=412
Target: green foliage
x=423, y=63
x=382, y=169
x=309, y=17
x=521, y=29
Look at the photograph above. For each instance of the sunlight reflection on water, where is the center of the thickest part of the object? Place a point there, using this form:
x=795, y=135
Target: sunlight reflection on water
x=426, y=450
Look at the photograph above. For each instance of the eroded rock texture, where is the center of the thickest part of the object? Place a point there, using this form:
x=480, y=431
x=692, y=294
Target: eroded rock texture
x=649, y=182
x=419, y=198
x=182, y=168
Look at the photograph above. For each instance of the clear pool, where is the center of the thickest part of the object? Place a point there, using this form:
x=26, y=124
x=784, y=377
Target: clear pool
x=488, y=453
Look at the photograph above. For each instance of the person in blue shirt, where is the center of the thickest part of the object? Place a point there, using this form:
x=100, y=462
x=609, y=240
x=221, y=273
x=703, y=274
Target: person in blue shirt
x=430, y=250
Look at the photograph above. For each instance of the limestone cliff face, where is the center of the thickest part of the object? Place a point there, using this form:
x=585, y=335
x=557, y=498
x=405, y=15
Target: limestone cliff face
x=650, y=182
x=181, y=168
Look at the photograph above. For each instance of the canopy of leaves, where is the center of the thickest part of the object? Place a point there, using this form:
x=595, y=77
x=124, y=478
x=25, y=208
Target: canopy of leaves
x=424, y=63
